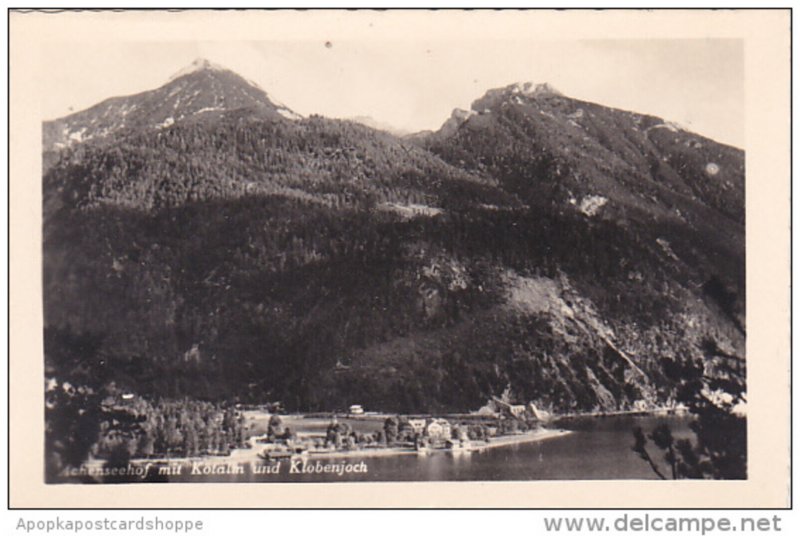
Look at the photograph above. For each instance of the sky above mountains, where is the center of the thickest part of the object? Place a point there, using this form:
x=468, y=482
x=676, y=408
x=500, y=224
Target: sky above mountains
x=415, y=84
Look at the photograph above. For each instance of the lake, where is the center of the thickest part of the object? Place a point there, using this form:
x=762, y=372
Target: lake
x=596, y=448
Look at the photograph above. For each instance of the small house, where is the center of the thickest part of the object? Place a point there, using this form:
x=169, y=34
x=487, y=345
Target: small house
x=418, y=425
x=517, y=410
x=438, y=429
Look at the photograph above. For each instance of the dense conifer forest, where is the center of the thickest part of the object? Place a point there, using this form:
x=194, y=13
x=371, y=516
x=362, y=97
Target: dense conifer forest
x=554, y=250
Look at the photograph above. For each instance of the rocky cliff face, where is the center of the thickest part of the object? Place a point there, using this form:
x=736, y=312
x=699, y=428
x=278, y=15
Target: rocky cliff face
x=554, y=250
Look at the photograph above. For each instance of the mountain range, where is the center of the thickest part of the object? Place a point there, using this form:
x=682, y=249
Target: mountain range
x=203, y=240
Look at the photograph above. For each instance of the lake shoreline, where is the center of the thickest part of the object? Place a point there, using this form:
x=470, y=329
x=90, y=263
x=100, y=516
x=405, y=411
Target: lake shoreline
x=576, y=449
x=252, y=454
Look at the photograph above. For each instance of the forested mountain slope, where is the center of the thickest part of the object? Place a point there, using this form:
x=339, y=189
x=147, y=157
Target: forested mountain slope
x=553, y=250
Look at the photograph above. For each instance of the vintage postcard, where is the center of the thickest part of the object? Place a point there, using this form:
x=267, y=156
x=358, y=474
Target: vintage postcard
x=402, y=255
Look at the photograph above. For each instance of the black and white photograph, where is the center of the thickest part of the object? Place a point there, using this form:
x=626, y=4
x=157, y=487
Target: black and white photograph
x=372, y=259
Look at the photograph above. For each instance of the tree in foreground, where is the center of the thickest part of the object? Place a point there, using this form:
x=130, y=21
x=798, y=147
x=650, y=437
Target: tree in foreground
x=713, y=390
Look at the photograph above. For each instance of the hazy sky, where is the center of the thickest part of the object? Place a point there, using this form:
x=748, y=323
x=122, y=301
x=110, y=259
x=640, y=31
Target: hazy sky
x=415, y=84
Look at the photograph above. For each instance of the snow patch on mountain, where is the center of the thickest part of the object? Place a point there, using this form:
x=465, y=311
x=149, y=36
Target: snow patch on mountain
x=672, y=126
x=591, y=204
x=667, y=248
x=169, y=121
x=288, y=114
x=411, y=210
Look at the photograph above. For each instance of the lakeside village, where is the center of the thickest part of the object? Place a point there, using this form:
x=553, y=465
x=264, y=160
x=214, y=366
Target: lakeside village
x=136, y=430
x=356, y=432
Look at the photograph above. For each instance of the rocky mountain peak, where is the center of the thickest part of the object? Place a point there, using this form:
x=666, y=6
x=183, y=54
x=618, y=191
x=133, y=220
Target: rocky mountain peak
x=199, y=64
x=535, y=90
x=202, y=90
x=517, y=93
